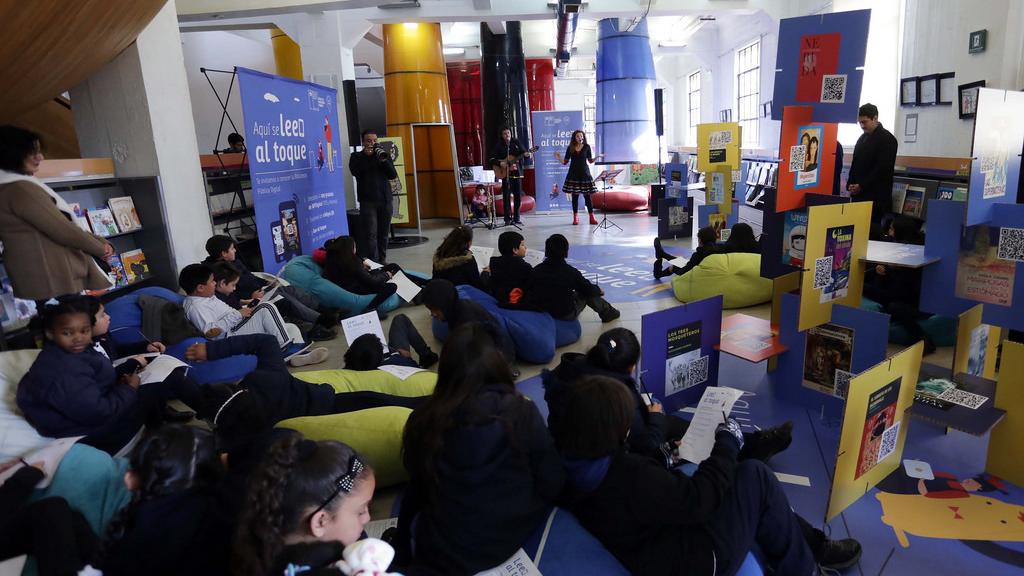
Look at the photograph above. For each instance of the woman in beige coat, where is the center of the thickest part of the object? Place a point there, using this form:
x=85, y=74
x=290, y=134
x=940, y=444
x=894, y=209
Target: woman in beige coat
x=46, y=254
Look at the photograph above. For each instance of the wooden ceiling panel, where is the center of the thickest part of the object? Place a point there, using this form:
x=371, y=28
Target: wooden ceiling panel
x=50, y=46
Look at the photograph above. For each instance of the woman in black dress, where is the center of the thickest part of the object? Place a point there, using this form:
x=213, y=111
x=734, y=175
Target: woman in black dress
x=578, y=180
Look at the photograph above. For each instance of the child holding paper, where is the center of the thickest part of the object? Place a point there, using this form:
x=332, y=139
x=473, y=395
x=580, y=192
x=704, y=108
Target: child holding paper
x=660, y=522
x=367, y=352
x=343, y=267
x=510, y=272
x=454, y=262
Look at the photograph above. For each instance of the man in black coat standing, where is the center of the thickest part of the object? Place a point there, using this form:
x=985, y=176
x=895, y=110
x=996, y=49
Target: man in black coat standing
x=512, y=183
x=374, y=170
x=871, y=171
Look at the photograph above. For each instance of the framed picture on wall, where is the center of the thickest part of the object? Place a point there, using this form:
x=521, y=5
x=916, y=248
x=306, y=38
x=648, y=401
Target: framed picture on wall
x=967, y=97
x=947, y=88
x=725, y=115
x=908, y=91
x=928, y=90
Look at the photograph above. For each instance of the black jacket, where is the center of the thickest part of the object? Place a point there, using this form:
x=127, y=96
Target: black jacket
x=373, y=178
x=285, y=396
x=648, y=517
x=247, y=281
x=319, y=558
x=355, y=279
x=554, y=285
x=459, y=270
x=499, y=476
x=508, y=273
x=15, y=492
x=647, y=431
x=874, y=160
x=501, y=151
x=697, y=257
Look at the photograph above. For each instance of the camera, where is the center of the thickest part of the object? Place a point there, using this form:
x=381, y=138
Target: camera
x=381, y=154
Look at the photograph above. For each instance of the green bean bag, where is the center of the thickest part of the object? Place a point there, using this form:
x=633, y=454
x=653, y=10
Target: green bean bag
x=737, y=277
x=376, y=433
x=306, y=274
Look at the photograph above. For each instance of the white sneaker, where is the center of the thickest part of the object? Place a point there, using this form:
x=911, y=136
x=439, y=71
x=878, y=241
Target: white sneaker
x=314, y=356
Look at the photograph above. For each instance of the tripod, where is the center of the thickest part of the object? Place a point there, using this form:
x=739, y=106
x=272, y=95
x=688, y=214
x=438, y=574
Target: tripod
x=507, y=209
x=606, y=222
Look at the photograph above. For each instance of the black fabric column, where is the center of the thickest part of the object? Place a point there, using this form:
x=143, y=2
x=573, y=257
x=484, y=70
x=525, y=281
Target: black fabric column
x=503, y=85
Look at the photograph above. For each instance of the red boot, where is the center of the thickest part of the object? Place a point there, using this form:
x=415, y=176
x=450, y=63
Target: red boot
x=592, y=219
x=575, y=219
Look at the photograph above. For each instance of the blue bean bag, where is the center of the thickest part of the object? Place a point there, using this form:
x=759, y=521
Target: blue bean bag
x=942, y=329
x=535, y=335
x=126, y=328
x=308, y=275
x=568, y=549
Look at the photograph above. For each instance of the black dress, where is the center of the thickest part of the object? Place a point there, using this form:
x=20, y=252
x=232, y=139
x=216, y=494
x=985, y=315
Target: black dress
x=579, y=180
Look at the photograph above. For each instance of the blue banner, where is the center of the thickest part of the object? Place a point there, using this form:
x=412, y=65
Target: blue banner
x=552, y=131
x=291, y=133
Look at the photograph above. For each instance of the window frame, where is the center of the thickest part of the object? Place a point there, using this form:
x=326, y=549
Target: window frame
x=748, y=91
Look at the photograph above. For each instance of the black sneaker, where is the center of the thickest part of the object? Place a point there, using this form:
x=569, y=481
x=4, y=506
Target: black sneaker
x=838, y=554
x=764, y=444
x=609, y=314
x=429, y=359
x=327, y=319
x=319, y=333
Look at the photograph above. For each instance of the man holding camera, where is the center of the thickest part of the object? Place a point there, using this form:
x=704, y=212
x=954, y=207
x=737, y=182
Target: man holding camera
x=373, y=170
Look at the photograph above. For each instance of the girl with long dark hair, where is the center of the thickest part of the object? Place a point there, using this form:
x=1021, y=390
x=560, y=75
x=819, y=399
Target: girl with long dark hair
x=343, y=267
x=454, y=262
x=578, y=180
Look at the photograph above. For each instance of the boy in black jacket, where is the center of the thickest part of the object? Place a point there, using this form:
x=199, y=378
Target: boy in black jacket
x=509, y=271
x=561, y=290
x=706, y=245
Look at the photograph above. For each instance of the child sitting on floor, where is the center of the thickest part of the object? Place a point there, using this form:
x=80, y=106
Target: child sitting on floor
x=706, y=246
x=306, y=502
x=453, y=261
x=561, y=290
x=367, y=351
x=510, y=273
x=478, y=205
x=73, y=390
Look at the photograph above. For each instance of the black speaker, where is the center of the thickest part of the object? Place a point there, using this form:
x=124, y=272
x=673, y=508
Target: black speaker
x=659, y=116
x=348, y=89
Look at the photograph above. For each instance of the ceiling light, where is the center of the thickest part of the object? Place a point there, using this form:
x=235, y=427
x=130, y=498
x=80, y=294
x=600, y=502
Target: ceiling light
x=672, y=44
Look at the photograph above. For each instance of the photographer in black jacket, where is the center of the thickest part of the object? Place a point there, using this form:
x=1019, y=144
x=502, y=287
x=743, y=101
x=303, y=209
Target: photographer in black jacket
x=373, y=169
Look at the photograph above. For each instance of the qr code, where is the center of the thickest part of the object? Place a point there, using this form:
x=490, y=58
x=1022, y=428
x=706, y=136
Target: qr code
x=822, y=272
x=797, y=157
x=1011, y=244
x=963, y=398
x=697, y=371
x=841, y=383
x=889, y=438
x=725, y=234
x=833, y=88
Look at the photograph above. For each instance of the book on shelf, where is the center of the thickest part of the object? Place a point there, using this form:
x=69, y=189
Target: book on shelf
x=135, y=266
x=123, y=208
x=914, y=202
x=899, y=195
x=14, y=312
x=118, y=275
x=80, y=218
x=102, y=221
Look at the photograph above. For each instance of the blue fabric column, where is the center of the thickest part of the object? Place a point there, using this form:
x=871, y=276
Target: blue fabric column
x=503, y=85
x=625, y=94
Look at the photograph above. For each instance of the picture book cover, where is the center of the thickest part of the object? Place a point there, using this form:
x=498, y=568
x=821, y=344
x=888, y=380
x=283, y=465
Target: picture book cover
x=977, y=351
x=80, y=218
x=930, y=387
x=807, y=168
x=899, y=195
x=794, y=237
x=718, y=222
x=102, y=222
x=881, y=428
x=838, y=246
x=716, y=188
x=829, y=348
x=981, y=275
x=135, y=266
x=683, y=358
x=118, y=276
x=819, y=56
x=914, y=202
x=123, y=208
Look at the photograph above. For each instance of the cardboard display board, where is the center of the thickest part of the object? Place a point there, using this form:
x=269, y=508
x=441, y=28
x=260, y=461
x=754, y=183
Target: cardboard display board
x=969, y=269
x=1004, y=458
x=977, y=345
x=784, y=234
x=874, y=427
x=399, y=189
x=820, y=63
x=837, y=240
x=675, y=217
x=807, y=157
x=708, y=215
x=718, y=146
x=750, y=338
x=998, y=141
x=680, y=351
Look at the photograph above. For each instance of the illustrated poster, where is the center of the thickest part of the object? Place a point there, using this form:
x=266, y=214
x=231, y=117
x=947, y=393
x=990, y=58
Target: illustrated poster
x=829, y=348
x=998, y=140
x=683, y=359
x=838, y=248
x=811, y=139
x=878, y=438
x=981, y=275
x=794, y=237
x=819, y=55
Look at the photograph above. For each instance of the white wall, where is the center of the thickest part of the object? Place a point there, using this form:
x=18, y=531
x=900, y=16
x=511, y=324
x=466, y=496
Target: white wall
x=935, y=41
x=569, y=92
x=220, y=51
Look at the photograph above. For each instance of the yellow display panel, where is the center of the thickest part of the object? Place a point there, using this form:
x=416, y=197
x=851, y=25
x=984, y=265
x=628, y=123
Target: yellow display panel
x=837, y=240
x=977, y=345
x=718, y=146
x=1004, y=459
x=874, y=427
x=399, y=188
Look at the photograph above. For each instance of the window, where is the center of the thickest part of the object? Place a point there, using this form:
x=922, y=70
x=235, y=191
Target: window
x=748, y=91
x=590, y=116
x=693, y=91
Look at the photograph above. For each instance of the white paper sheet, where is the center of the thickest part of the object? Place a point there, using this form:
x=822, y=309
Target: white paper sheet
x=407, y=289
x=376, y=528
x=371, y=264
x=519, y=564
x=159, y=369
x=679, y=262
x=483, y=256
x=368, y=323
x=402, y=372
x=50, y=455
x=699, y=439
x=533, y=257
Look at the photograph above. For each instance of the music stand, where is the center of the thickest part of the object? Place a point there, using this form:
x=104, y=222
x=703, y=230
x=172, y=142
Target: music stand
x=606, y=222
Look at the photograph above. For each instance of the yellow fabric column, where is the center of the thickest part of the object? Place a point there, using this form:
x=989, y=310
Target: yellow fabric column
x=287, y=55
x=416, y=90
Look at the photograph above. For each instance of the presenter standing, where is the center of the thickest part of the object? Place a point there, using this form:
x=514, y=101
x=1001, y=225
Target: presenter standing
x=506, y=159
x=374, y=171
x=872, y=167
x=579, y=181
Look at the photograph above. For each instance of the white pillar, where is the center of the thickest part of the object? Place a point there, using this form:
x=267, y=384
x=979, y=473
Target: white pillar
x=137, y=109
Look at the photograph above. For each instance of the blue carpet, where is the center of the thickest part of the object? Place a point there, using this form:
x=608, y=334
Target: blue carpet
x=624, y=272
